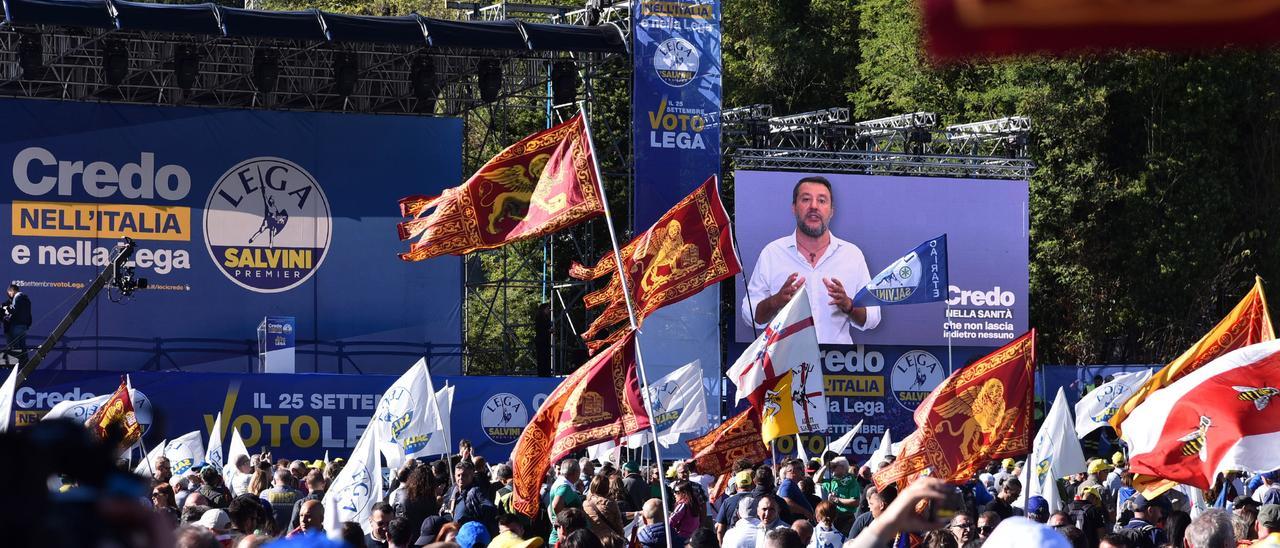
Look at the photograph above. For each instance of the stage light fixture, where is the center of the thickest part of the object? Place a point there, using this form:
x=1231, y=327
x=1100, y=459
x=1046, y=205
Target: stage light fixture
x=115, y=62
x=30, y=54
x=186, y=66
x=423, y=81
x=489, y=74
x=918, y=140
x=266, y=69
x=592, y=12
x=564, y=82
x=346, y=72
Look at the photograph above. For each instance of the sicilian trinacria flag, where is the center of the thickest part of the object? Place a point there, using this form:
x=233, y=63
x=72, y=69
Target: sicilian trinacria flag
x=919, y=277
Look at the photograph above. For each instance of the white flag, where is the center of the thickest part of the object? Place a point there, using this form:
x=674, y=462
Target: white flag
x=788, y=343
x=184, y=452
x=1055, y=453
x=800, y=452
x=885, y=449
x=356, y=488
x=147, y=466
x=6, y=399
x=840, y=445
x=229, y=471
x=439, y=445
x=236, y=448
x=1096, y=408
x=679, y=403
x=407, y=416
x=213, y=451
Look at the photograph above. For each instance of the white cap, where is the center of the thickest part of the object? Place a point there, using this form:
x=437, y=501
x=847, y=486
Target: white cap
x=1018, y=531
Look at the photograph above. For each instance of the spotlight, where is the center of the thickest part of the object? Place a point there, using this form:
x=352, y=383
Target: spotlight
x=115, y=62
x=30, y=54
x=593, y=12
x=489, y=73
x=346, y=72
x=186, y=66
x=422, y=79
x=918, y=140
x=564, y=82
x=266, y=69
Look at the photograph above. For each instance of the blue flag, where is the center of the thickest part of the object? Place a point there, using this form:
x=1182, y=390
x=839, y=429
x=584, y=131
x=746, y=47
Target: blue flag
x=919, y=277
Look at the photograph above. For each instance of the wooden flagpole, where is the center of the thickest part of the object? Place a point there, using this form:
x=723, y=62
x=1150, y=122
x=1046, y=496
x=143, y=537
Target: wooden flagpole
x=631, y=317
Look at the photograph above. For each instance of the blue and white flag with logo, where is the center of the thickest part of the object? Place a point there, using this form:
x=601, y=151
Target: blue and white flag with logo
x=213, y=452
x=356, y=488
x=1096, y=408
x=407, y=419
x=185, y=452
x=919, y=277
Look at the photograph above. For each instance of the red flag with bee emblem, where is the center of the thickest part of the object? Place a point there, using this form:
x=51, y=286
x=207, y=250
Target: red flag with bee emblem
x=1223, y=416
x=601, y=401
x=688, y=249
x=980, y=413
x=541, y=184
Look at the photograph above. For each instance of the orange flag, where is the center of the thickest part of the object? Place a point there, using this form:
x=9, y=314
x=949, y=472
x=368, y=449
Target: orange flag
x=736, y=438
x=981, y=412
x=601, y=401
x=1246, y=324
x=117, y=410
x=689, y=248
x=543, y=183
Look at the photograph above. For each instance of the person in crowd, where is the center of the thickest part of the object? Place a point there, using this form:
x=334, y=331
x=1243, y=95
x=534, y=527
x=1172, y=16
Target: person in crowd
x=1097, y=477
x=448, y=531
x=1058, y=519
x=1088, y=515
x=397, y=495
x=1148, y=514
x=419, y=498
x=1175, y=526
x=876, y=504
x=217, y=521
x=804, y=530
x=940, y=538
x=1211, y=529
x=511, y=533
x=581, y=539
x=685, y=471
x=194, y=536
x=606, y=519
x=246, y=514
x=1004, y=472
x=1037, y=509
x=987, y=522
x=299, y=470
x=1268, y=526
x=782, y=537
x=504, y=496
x=315, y=492
x=1002, y=504
x=212, y=488
x=742, y=534
x=1269, y=492
x=1074, y=536
x=1114, y=540
x=310, y=518
x=843, y=491
x=962, y=526
x=467, y=502
x=351, y=534
x=588, y=471
x=562, y=495
x=258, y=481
x=704, y=537
x=241, y=474
x=703, y=481
x=282, y=498
x=472, y=534
x=827, y=533
x=767, y=511
x=181, y=490
x=161, y=470
x=1246, y=510
x=689, y=511
x=430, y=530
x=653, y=533
x=637, y=488
x=570, y=520
x=618, y=493
x=789, y=490
x=728, y=515
x=379, y=520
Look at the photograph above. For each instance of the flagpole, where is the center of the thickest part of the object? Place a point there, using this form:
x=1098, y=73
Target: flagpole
x=946, y=321
x=448, y=441
x=631, y=315
x=145, y=457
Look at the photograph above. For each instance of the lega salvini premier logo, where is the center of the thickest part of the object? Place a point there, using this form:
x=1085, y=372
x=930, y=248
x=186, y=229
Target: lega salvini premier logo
x=267, y=225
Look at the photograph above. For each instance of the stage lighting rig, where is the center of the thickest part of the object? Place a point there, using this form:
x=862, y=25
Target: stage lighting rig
x=423, y=81
x=266, y=69
x=186, y=66
x=115, y=62
x=489, y=77
x=564, y=82
x=346, y=72
x=30, y=54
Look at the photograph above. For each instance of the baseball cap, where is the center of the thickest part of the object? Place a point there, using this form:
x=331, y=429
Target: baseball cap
x=472, y=534
x=1007, y=463
x=744, y=478
x=1037, y=505
x=1098, y=465
x=1269, y=516
x=430, y=527
x=1018, y=532
x=1117, y=459
x=215, y=520
x=1141, y=503
x=631, y=467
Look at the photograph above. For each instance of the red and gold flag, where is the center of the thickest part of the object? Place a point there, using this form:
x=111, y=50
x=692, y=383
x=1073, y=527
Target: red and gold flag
x=1246, y=324
x=981, y=412
x=117, y=410
x=689, y=248
x=543, y=183
x=601, y=401
x=736, y=438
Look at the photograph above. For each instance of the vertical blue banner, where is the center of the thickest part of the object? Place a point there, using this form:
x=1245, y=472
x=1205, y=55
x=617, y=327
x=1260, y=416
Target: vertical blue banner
x=676, y=144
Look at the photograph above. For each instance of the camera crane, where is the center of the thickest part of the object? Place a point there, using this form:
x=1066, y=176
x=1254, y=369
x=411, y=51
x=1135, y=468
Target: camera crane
x=117, y=274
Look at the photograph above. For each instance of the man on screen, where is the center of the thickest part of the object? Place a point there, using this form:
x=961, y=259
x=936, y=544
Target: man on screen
x=833, y=268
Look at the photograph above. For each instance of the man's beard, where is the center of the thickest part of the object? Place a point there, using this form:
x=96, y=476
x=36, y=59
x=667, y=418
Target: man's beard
x=811, y=232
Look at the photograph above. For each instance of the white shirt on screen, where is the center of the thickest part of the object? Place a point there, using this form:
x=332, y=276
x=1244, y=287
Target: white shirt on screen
x=842, y=260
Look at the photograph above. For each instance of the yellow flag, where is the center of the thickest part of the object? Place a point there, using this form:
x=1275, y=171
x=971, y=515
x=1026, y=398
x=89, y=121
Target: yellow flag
x=1248, y=323
x=777, y=410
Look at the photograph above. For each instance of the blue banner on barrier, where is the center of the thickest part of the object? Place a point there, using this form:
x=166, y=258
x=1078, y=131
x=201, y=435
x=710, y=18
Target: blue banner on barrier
x=296, y=416
x=238, y=215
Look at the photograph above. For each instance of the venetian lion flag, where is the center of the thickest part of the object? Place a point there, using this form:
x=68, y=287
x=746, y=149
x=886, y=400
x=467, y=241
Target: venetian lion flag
x=1246, y=324
x=734, y=439
x=1223, y=416
x=600, y=401
x=689, y=248
x=980, y=413
x=117, y=412
x=541, y=184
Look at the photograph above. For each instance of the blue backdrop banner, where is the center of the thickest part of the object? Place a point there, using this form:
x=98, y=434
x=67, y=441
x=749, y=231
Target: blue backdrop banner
x=238, y=215
x=296, y=416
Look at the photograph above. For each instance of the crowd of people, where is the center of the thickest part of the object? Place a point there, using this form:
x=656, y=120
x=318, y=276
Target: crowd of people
x=464, y=502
